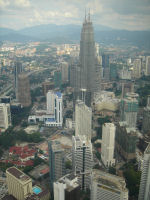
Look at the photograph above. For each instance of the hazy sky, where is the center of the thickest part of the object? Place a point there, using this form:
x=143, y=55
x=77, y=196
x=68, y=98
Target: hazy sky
x=120, y=14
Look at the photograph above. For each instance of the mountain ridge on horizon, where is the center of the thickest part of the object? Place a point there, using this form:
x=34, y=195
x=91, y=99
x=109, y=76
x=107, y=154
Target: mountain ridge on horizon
x=71, y=32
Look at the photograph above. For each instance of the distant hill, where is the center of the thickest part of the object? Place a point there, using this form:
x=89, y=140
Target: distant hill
x=71, y=33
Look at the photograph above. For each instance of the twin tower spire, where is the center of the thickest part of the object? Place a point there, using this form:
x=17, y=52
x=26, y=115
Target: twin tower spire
x=87, y=16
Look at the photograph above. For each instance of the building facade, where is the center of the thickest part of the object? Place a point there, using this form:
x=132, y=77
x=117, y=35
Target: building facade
x=24, y=96
x=146, y=118
x=129, y=109
x=126, y=139
x=89, y=67
x=144, y=192
x=83, y=119
x=67, y=188
x=19, y=184
x=57, y=79
x=18, y=69
x=147, y=71
x=108, y=144
x=64, y=72
x=52, y=116
x=82, y=160
x=137, y=65
x=5, y=116
x=56, y=162
x=106, y=186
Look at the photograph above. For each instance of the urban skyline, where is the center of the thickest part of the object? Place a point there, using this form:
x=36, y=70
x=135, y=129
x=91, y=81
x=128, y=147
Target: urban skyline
x=74, y=118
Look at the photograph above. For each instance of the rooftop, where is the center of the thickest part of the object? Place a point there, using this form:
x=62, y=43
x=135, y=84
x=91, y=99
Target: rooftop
x=18, y=174
x=113, y=182
x=58, y=94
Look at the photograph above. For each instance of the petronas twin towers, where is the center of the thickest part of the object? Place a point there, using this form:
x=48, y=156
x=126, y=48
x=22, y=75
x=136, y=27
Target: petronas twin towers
x=89, y=68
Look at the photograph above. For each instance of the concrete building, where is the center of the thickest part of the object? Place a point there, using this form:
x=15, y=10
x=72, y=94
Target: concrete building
x=125, y=74
x=89, y=68
x=106, y=186
x=18, y=69
x=83, y=119
x=146, y=117
x=5, y=116
x=64, y=71
x=53, y=115
x=67, y=188
x=82, y=159
x=46, y=86
x=126, y=139
x=24, y=96
x=57, y=79
x=144, y=192
x=147, y=71
x=56, y=162
x=108, y=144
x=127, y=87
x=19, y=184
x=129, y=109
x=136, y=71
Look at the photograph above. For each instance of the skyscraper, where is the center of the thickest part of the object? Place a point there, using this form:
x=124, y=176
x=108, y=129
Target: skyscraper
x=54, y=108
x=5, y=116
x=82, y=160
x=147, y=71
x=129, y=108
x=57, y=79
x=144, y=192
x=83, y=120
x=24, y=96
x=137, y=65
x=56, y=162
x=146, y=117
x=64, y=72
x=108, y=144
x=17, y=70
x=90, y=69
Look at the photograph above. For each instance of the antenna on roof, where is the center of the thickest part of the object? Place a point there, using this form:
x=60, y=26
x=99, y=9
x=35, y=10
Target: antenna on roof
x=89, y=15
x=85, y=14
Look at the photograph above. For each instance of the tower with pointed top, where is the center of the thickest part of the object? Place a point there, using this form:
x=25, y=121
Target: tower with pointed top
x=88, y=61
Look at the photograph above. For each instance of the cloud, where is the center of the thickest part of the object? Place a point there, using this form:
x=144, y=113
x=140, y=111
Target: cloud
x=4, y=3
x=22, y=3
x=121, y=14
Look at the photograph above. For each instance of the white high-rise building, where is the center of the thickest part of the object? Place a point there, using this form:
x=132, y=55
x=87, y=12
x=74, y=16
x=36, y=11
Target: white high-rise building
x=54, y=108
x=52, y=116
x=147, y=71
x=64, y=71
x=108, y=144
x=83, y=119
x=50, y=102
x=137, y=64
x=66, y=187
x=144, y=192
x=106, y=186
x=5, y=116
x=82, y=159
